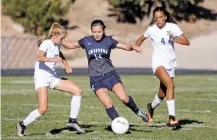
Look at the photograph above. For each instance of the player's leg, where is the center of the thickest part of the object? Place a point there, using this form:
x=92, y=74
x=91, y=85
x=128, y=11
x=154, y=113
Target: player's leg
x=68, y=86
x=156, y=101
x=103, y=96
x=42, y=94
x=121, y=93
x=164, y=77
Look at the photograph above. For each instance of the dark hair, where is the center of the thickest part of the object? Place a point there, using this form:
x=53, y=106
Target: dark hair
x=97, y=23
x=166, y=13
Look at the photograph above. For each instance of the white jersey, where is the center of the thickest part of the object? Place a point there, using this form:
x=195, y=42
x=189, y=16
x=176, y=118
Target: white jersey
x=164, y=51
x=51, y=51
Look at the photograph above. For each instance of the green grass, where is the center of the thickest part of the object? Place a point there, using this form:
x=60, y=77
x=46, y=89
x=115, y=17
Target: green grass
x=196, y=98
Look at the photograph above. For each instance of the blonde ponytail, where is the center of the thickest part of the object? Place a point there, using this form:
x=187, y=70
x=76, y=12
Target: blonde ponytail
x=56, y=29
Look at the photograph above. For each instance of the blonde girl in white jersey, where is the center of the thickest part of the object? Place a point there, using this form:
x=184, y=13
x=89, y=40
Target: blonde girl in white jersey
x=45, y=77
x=164, y=33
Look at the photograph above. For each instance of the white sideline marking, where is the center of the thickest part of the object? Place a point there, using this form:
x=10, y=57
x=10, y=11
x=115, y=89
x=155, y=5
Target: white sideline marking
x=57, y=105
x=38, y=137
x=184, y=126
x=17, y=91
x=64, y=106
x=208, y=100
x=195, y=111
x=22, y=82
x=32, y=81
x=195, y=125
x=211, y=94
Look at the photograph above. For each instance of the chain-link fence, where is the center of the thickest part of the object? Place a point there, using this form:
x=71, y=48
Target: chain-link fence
x=18, y=55
x=18, y=52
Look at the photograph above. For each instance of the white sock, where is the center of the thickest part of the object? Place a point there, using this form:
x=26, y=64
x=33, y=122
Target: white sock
x=156, y=101
x=31, y=117
x=75, y=106
x=171, y=107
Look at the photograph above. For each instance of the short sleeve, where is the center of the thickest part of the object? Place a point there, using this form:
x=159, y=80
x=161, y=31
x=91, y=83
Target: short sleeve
x=176, y=31
x=147, y=33
x=44, y=46
x=81, y=42
x=113, y=42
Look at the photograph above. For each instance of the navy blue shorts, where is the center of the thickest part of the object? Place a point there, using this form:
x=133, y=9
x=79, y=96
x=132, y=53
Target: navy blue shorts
x=106, y=81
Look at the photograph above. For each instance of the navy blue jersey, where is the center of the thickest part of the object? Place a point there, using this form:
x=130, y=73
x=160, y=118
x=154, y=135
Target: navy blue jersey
x=98, y=54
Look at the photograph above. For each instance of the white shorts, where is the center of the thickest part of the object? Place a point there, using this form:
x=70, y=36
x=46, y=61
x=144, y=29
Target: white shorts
x=171, y=71
x=45, y=79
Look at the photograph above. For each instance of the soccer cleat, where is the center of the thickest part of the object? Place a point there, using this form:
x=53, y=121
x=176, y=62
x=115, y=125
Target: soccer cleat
x=174, y=123
x=141, y=113
x=150, y=112
x=76, y=126
x=20, y=129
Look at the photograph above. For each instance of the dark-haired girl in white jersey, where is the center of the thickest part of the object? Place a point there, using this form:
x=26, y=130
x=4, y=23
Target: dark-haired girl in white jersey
x=164, y=33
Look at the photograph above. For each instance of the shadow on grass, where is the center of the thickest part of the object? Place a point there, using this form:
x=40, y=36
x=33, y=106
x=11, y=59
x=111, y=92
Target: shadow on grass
x=109, y=128
x=59, y=130
x=181, y=123
x=185, y=121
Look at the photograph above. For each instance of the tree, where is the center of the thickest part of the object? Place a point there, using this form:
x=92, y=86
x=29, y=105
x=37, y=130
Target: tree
x=36, y=15
x=188, y=10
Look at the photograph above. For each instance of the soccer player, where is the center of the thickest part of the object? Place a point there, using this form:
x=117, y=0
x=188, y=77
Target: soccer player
x=45, y=77
x=103, y=76
x=164, y=33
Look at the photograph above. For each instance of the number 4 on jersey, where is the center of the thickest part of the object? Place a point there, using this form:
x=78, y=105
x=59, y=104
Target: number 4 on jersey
x=162, y=41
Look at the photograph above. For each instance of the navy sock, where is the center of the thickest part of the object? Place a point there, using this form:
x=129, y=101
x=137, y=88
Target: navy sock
x=72, y=120
x=112, y=113
x=132, y=105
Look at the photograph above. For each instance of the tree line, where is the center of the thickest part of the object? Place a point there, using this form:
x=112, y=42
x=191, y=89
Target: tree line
x=38, y=15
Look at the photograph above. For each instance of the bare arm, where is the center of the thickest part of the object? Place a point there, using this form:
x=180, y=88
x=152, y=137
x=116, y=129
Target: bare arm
x=140, y=40
x=181, y=40
x=70, y=45
x=42, y=58
x=124, y=47
x=66, y=65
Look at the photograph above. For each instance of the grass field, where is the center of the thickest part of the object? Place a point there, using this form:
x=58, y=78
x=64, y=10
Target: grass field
x=196, y=99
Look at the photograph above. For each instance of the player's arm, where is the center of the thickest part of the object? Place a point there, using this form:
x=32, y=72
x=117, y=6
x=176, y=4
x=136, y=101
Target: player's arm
x=66, y=65
x=124, y=47
x=180, y=39
x=140, y=40
x=42, y=58
x=70, y=45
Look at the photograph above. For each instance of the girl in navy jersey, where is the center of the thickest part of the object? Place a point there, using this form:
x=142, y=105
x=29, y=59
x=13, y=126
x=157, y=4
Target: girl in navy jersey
x=45, y=77
x=103, y=76
x=164, y=33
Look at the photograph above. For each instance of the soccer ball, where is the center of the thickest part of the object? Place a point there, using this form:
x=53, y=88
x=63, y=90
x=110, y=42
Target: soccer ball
x=120, y=125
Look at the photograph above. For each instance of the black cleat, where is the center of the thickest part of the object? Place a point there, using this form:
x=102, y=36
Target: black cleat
x=174, y=123
x=20, y=129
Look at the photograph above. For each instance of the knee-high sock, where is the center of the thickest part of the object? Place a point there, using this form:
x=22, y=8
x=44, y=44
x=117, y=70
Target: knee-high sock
x=156, y=101
x=171, y=107
x=31, y=117
x=132, y=105
x=112, y=113
x=75, y=106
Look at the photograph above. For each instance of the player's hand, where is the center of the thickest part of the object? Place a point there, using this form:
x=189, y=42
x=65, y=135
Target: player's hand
x=172, y=38
x=137, y=49
x=68, y=70
x=57, y=59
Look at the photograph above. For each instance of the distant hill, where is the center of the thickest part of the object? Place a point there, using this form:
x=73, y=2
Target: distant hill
x=81, y=14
